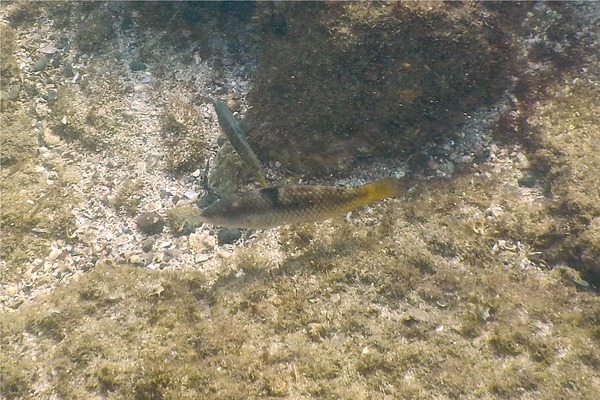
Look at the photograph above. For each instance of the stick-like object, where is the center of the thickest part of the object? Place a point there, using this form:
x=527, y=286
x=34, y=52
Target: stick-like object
x=235, y=133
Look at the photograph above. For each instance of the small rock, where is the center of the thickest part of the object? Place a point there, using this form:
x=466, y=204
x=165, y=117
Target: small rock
x=527, y=181
x=150, y=223
x=184, y=220
x=136, y=260
x=68, y=71
x=148, y=244
x=191, y=195
x=48, y=50
x=12, y=93
x=42, y=110
x=233, y=101
x=165, y=193
x=62, y=42
x=51, y=95
x=146, y=79
x=50, y=139
x=207, y=200
x=137, y=66
x=41, y=64
x=201, y=242
x=228, y=235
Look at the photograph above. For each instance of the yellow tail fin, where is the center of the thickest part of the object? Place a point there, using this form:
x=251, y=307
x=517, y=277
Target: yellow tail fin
x=382, y=188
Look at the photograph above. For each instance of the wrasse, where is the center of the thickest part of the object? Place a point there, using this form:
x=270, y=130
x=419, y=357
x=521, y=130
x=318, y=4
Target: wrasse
x=270, y=207
x=235, y=133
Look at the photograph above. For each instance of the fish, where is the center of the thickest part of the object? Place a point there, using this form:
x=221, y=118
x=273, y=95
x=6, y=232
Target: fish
x=235, y=133
x=266, y=208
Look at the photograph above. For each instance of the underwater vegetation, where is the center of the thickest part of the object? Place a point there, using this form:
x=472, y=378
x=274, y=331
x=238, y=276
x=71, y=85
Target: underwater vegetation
x=493, y=273
x=386, y=307
x=184, y=137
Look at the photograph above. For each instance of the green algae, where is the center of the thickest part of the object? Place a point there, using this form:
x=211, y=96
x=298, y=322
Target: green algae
x=183, y=220
x=9, y=68
x=306, y=326
x=34, y=212
x=184, y=136
x=566, y=125
x=128, y=196
x=417, y=294
x=447, y=278
x=86, y=122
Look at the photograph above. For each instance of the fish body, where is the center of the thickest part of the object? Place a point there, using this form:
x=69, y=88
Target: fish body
x=236, y=136
x=270, y=207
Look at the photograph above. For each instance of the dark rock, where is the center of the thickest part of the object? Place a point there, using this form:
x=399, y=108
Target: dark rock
x=527, y=181
x=12, y=93
x=228, y=235
x=62, y=42
x=207, y=200
x=41, y=63
x=148, y=244
x=150, y=223
x=137, y=66
x=68, y=71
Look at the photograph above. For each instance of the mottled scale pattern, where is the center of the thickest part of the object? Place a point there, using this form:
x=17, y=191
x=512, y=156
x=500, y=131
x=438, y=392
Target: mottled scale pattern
x=269, y=207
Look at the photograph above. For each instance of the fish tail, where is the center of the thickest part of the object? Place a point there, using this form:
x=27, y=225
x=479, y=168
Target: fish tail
x=381, y=189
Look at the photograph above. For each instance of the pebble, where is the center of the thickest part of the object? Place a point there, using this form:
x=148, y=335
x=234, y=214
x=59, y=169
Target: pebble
x=42, y=110
x=150, y=223
x=165, y=193
x=136, y=260
x=228, y=235
x=12, y=93
x=62, y=42
x=201, y=242
x=527, y=181
x=48, y=50
x=137, y=66
x=207, y=200
x=191, y=195
x=41, y=63
x=223, y=253
x=147, y=79
x=184, y=220
x=68, y=71
x=52, y=95
x=148, y=244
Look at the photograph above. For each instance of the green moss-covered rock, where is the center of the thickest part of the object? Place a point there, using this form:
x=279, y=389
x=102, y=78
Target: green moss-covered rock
x=227, y=171
x=129, y=196
x=87, y=123
x=150, y=223
x=184, y=220
x=344, y=80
